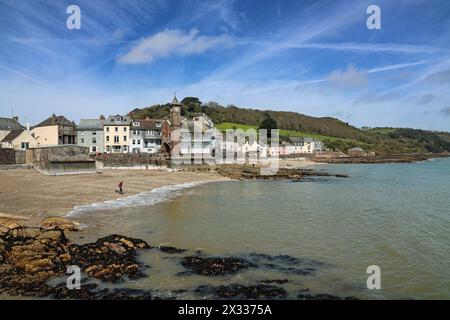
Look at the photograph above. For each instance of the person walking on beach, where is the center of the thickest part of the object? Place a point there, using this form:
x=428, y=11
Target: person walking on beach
x=120, y=187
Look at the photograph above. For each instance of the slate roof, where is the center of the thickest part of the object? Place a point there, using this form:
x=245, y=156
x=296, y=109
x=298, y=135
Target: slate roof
x=9, y=124
x=149, y=124
x=55, y=120
x=12, y=135
x=90, y=125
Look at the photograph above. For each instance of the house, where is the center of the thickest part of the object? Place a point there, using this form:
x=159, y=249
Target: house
x=90, y=134
x=7, y=125
x=19, y=140
x=356, y=152
x=198, y=136
x=147, y=135
x=55, y=130
x=299, y=145
x=116, y=131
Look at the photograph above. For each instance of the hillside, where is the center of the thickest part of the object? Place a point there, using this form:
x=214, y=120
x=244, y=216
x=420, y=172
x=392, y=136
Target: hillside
x=336, y=134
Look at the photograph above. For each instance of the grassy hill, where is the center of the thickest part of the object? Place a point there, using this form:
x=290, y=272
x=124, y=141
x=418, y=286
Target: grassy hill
x=336, y=134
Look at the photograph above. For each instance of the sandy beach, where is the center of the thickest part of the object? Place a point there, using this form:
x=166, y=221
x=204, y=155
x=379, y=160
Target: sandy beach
x=30, y=194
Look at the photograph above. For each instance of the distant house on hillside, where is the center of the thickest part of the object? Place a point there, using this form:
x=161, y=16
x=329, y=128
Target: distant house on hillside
x=299, y=145
x=90, y=134
x=19, y=140
x=55, y=130
x=7, y=125
x=357, y=152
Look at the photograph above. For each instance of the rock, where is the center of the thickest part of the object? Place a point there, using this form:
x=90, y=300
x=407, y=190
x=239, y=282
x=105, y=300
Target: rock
x=171, y=249
x=237, y=291
x=60, y=223
x=277, y=281
x=215, y=266
x=29, y=257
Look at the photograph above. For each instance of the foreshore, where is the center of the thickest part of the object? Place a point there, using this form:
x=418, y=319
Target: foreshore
x=28, y=194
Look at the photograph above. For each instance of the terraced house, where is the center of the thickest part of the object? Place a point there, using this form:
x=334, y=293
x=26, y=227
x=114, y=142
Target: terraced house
x=90, y=134
x=55, y=130
x=147, y=135
x=116, y=131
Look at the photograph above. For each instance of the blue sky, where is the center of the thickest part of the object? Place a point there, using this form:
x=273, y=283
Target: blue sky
x=313, y=57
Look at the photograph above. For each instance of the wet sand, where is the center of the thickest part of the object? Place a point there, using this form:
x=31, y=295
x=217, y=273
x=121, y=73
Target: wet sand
x=30, y=194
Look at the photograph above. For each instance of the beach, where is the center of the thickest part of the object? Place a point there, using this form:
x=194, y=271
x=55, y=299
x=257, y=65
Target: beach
x=29, y=194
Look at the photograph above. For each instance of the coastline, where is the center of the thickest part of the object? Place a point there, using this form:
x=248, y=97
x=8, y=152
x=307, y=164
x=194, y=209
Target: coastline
x=34, y=197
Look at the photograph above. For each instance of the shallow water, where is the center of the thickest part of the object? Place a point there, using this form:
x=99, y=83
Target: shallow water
x=395, y=216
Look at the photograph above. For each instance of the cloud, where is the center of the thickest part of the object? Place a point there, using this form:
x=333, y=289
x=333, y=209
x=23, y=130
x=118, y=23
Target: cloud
x=172, y=42
x=441, y=76
x=445, y=112
x=369, y=98
x=421, y=99
x=349, y=77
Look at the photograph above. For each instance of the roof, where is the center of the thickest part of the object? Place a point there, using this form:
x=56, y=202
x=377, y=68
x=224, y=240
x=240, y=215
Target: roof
x=175, y=101
x=9, y=124
x=149, y=124
x=117, y=120
x=90, y=124
x=12, y=135
x=55, y=120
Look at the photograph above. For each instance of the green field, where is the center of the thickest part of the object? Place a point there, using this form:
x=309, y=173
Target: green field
x=283, y=133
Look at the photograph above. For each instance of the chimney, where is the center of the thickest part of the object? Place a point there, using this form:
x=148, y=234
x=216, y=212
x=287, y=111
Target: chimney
x=16, y=118
x=27, y=126
x=53, y=118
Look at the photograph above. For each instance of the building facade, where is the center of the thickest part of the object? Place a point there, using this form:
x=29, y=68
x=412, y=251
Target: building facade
x=55, y=130
x=148, y=135
x=19, y=140
x=116, y=131
x=90, y=134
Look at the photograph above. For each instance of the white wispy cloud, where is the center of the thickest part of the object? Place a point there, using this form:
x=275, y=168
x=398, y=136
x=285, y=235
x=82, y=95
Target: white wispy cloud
x=350, y=77
x=172, y=42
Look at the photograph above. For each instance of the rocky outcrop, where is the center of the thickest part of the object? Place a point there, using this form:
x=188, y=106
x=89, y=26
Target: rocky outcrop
x=237, y=291
x=60, y=223
x=30, y=256
x=242, y=172
x=213, y=266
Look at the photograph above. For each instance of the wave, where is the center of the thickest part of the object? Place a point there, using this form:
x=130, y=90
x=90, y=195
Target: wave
x=146, y=198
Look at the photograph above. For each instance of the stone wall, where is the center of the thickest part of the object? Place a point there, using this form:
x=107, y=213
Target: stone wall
x=131, y=159
x=7, y=156
x=58, y=153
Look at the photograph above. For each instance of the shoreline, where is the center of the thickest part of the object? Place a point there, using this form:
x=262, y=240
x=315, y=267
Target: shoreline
x=31, y=196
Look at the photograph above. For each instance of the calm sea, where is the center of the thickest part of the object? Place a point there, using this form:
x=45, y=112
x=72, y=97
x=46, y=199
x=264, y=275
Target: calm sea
x=395, y=216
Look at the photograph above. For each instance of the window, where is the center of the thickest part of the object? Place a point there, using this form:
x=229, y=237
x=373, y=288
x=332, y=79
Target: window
x=94, y=141
x=94, y=149
x=139, y=141
x=125, y=149
x=116, y=139
x=82, y=140
x=134, y=141
x=107, y=138
x=158, y=125
x=25, y=145
x=94, y=133
x=107, y=129
x=124, y=138
x=124, y=129
x=116, y=129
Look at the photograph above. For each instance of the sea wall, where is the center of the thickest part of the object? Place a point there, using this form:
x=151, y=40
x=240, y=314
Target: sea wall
x=131, y=160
